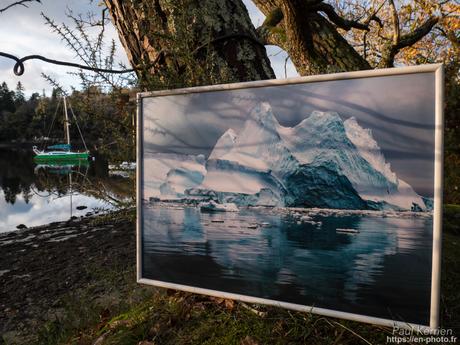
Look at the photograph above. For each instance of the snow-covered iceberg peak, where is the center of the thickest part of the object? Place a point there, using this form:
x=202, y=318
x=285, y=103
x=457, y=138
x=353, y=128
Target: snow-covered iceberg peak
x=327, y=119
x=262, y=114
x=319, y=134
x=224, y=145
x=368, y=148
x=257, y=144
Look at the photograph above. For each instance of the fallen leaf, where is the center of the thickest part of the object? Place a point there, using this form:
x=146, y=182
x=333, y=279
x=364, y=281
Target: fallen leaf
x=229, y=304
x=249, y=341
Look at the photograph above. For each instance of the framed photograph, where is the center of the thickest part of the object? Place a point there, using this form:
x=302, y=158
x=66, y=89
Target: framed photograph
x=320, y=194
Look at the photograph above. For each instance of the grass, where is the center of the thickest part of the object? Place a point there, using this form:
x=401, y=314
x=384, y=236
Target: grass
x=180, y=318
x=452, y=218
x=115, y=310
x=450, y=272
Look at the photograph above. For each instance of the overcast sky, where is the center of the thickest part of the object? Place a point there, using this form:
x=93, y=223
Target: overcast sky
x=23, y=32
x=398, y=109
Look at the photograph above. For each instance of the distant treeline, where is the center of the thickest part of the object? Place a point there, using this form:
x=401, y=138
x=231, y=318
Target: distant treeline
x=105, y=119
x=19, y=117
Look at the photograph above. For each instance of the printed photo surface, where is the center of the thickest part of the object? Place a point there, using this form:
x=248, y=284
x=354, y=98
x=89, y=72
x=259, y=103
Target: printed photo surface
x=317, y=194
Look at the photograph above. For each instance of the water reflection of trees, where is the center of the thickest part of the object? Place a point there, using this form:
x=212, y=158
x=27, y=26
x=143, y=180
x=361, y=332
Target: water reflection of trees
x=19, y=175
x=16, y=174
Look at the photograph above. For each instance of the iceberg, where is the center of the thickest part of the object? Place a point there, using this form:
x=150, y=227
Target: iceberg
x=398, y=192
x=323, y=162
x=170, y=174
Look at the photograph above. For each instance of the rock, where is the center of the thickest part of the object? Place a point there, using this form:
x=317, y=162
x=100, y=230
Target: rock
x=21, y=226
x=81, y=207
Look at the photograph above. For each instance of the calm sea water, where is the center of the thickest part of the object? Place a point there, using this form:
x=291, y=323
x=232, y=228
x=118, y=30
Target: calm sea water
x=382, y=271
x=32, y=194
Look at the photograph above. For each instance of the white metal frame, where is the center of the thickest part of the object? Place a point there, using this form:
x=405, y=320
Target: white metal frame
x=438, y=70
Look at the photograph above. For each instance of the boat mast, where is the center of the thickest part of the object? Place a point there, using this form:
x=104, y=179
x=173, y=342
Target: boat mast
x=66, y=123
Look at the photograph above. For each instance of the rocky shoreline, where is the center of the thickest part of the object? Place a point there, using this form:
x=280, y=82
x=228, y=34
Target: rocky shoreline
x=40, y=265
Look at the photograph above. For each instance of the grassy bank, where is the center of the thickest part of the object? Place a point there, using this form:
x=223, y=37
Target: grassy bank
x=113, y=309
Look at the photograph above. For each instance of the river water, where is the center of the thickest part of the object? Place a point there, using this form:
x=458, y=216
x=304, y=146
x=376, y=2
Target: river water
x=382, y=271
x=32, y=194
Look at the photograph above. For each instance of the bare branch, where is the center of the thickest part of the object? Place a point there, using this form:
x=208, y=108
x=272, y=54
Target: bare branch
x=18, y=3
x=390, y=50
x=451, y=36
x=313, y=2
x=285, y=66
x=376, y=19
x=373, y=16
x=395, y=20
x=337, y=20
x=365, y=45
x=416, y=35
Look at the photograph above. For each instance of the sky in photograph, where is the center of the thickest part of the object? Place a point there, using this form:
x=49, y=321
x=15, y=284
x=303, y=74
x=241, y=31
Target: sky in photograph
x=23, y=32
x=399, y=110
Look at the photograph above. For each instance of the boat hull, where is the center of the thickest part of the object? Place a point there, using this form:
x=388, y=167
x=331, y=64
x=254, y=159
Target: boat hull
x=62, y=157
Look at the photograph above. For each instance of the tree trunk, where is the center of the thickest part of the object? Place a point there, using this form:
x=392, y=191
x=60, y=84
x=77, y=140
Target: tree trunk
x=213, y=37
x=312, y=42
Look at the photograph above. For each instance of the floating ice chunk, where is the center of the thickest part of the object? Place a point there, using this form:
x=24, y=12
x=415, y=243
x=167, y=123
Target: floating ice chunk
x=215, y=207
x=347, y=231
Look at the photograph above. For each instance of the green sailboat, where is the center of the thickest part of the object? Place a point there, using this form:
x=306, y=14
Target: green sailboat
x=62, y=153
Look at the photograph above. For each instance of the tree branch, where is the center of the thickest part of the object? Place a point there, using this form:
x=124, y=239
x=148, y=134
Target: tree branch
x=337, y=20
x=373, y=16
x=451, y=36
x=18, y=3
x=395, y=22
x=391, y=49
x=416, y=35
x=270, y=32
x=376, y=19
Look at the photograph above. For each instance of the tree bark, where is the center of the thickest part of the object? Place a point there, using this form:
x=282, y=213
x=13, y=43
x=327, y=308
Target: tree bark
x=312, y=42
x=214, y=35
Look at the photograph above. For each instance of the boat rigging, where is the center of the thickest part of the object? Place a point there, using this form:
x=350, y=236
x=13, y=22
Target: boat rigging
x=63, y=152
